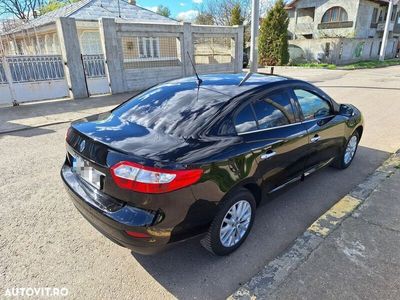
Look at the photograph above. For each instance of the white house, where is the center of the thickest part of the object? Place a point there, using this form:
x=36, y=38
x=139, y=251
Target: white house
x=39, y=36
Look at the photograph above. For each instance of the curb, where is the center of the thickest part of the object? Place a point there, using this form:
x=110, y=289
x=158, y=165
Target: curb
x=263, y=284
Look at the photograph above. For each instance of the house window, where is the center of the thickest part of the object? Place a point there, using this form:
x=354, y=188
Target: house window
x=394, y=12
x=374, y=15
x=149, y=47
x=90, y=43
x=335, y=14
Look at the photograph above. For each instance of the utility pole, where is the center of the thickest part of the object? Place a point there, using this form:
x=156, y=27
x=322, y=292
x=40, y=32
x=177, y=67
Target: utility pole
x=255, y=13
x=386, y=32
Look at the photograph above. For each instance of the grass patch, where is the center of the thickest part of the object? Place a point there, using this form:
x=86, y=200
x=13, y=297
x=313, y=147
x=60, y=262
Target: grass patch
x=371, y=64
x=368, y=64
x=316, y=66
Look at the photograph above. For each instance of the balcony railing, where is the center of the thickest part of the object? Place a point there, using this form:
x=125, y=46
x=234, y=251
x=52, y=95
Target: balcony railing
x=381, y=26
x=335, y=25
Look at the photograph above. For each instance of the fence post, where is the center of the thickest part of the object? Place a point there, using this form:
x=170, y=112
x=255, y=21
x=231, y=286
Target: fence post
x=188, y=47
x=239, y=49
x=71, y=55
x=7, y=72
x=113, y=55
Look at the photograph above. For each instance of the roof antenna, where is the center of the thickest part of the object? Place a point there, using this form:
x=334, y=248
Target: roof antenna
x=199, y=80
x=247, y=76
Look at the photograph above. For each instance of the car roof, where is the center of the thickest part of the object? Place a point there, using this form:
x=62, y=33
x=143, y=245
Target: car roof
x=229, y=84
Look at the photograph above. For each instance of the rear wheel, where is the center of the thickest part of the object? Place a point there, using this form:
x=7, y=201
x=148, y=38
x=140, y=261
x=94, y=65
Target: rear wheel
x=232, y=223
x=348, y=153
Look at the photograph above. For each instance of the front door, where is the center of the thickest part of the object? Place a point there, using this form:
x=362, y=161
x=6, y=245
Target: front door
x=278, y=140
x=325, y=129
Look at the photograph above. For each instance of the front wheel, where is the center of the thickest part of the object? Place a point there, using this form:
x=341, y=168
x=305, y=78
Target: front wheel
x=348, y=153
x=232, y=223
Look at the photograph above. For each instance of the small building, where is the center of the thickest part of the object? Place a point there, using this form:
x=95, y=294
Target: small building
x=340, y=31
x=96, y=47
x=39, y=36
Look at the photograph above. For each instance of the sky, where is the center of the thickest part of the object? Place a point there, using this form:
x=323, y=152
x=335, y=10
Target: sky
x=180, y=9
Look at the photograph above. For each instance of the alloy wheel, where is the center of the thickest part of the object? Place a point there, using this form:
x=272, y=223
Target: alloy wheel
x=235, y=223
x=350, y=149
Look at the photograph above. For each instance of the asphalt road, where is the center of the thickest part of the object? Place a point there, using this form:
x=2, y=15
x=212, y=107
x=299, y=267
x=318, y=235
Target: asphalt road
x=44, y=241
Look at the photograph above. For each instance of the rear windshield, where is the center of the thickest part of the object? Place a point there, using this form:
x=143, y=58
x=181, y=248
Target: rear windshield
x=175, y=109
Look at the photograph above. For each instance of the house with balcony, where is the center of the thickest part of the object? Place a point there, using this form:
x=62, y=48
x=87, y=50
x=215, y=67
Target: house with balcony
x=340, y=31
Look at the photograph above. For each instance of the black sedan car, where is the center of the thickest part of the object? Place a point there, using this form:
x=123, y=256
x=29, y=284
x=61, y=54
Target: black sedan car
x=188, y=157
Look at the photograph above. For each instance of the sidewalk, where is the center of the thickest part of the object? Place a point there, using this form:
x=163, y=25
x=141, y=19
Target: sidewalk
x=38, y=114
x=353, y=256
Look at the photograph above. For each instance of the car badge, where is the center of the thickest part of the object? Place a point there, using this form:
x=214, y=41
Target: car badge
x=82, y=146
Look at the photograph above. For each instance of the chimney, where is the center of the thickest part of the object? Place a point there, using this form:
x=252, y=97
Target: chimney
x=132, y=2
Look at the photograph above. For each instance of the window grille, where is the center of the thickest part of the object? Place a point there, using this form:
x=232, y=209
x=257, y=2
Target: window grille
x=150, y=52
x=212, y=50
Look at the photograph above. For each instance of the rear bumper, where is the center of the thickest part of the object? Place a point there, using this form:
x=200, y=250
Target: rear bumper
x=113, y=218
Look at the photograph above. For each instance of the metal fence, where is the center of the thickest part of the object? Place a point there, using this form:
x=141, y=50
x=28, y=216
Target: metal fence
x=35, y=68
x=151, y=52
x=212, y=50
x=94, y=65
x=3, y=78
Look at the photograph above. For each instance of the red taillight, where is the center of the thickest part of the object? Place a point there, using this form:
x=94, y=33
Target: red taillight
x=139, y=178
x=140, y=235
x=68, y=133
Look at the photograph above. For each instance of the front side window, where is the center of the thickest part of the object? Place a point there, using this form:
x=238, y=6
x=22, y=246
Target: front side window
x=245, y=120
x=312, y=106
x=335, y=14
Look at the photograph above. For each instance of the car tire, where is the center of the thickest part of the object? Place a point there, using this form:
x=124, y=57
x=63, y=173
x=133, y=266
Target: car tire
x=348, y=152
x=224, y=237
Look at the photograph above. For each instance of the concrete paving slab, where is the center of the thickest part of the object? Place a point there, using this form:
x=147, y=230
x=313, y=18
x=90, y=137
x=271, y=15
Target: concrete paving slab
x=358, y=261
x=383, y=206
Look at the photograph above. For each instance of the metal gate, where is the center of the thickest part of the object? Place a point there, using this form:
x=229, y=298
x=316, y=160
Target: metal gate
x=95, y=72
x=32, y=78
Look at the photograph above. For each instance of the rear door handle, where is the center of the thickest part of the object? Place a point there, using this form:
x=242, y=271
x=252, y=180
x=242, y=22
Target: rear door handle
x=315, y=139
x=268, y=155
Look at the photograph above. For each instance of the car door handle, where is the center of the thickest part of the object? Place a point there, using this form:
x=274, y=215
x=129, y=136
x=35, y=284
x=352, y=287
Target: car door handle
x=268, y=155
x=315, y=139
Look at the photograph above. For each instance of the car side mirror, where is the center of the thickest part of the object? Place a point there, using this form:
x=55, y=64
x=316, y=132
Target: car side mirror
x=346, y=110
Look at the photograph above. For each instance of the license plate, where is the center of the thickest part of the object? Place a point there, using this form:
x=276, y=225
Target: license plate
x=82, y=168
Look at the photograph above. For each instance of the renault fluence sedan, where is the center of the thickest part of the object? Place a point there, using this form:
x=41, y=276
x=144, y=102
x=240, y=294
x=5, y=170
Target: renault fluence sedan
x=193, y=156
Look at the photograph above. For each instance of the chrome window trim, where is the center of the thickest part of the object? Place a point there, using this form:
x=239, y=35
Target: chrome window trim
x=283, y=126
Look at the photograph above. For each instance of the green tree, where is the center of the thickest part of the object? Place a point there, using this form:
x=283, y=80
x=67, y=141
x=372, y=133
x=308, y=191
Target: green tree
x=273, y=40
x=236, y=15
x=54, y=5
x=204, y=19
x=163, y=11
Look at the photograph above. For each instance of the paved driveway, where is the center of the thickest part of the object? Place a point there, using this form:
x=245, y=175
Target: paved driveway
x=45, y=242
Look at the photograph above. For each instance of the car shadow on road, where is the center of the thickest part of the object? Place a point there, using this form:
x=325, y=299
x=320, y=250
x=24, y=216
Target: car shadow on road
x=37, y=114
x=188, y=271
x=27, y=132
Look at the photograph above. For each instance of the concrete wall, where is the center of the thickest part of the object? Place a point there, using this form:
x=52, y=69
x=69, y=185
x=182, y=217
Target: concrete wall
x=129, y=73
x=342, y=50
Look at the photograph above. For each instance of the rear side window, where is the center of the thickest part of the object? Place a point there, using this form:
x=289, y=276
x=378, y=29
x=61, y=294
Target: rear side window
x=245, y=120
x=312, y=106
x=269, y=116
x=273, y=111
